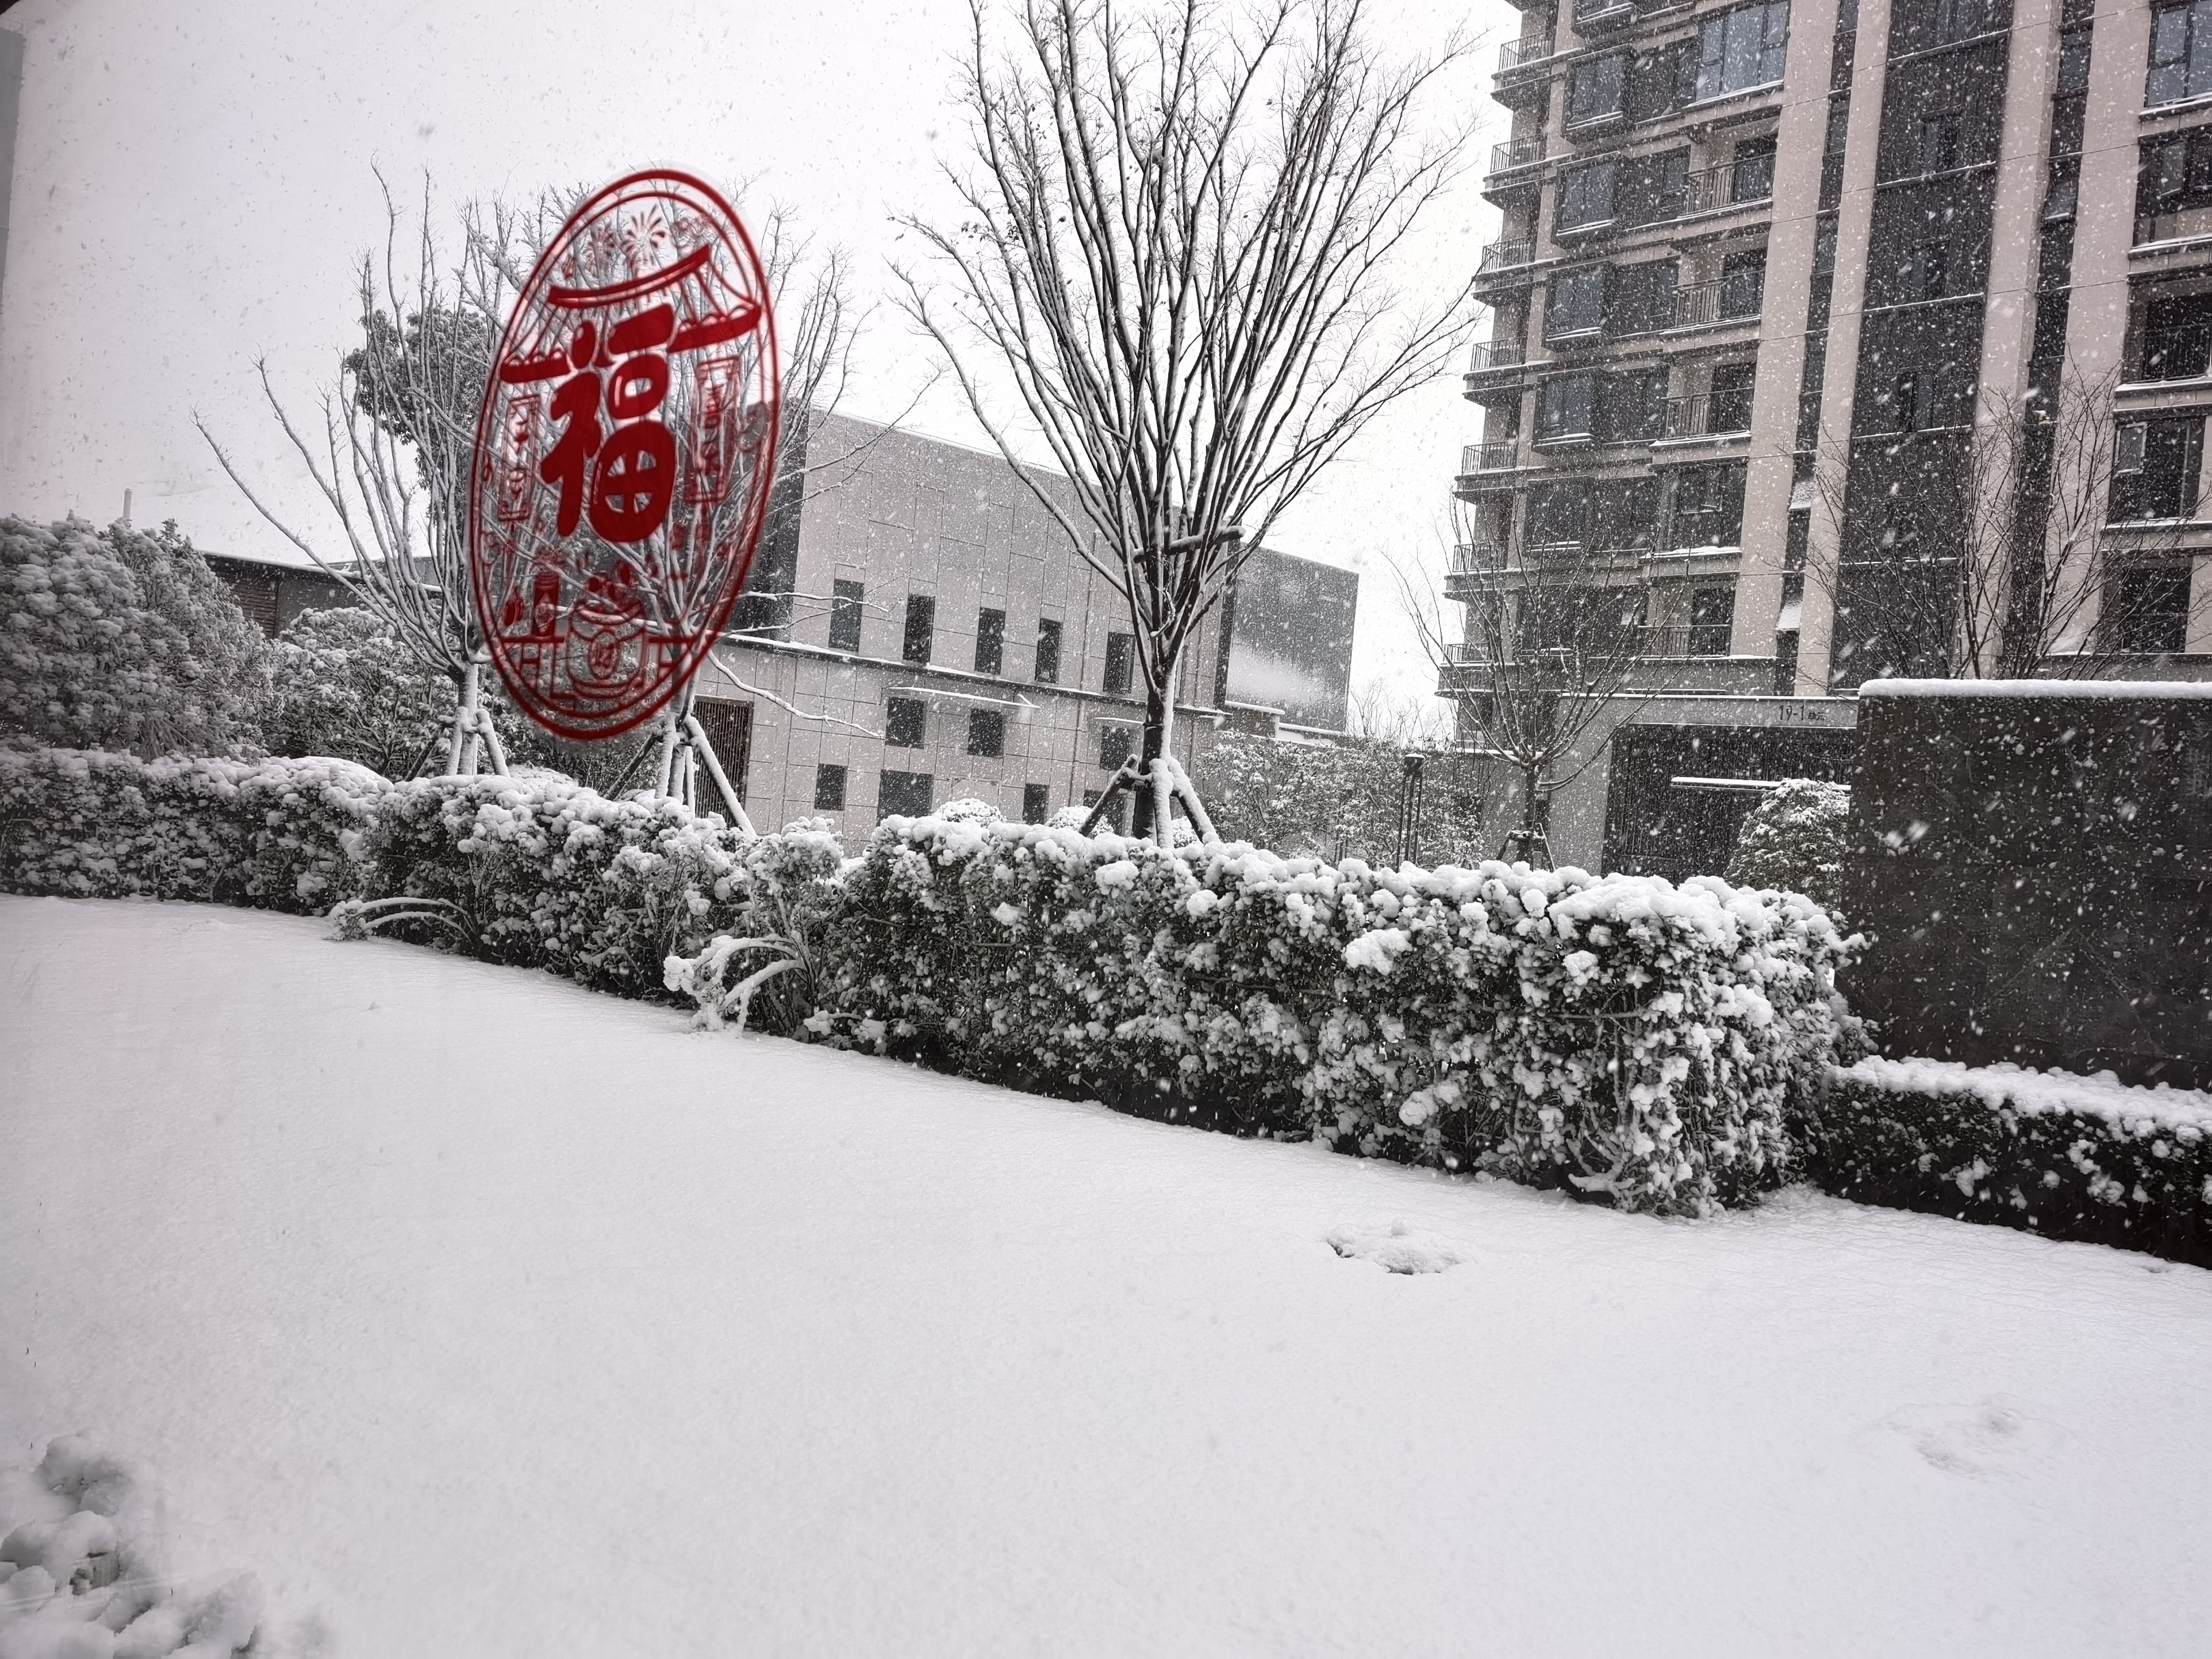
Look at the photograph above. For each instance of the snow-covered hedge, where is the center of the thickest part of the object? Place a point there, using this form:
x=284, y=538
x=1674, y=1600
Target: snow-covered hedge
x=1795, y=839
x=543, y=872
x=277, y=835
x=1617, y=1034
x=2067, y=1156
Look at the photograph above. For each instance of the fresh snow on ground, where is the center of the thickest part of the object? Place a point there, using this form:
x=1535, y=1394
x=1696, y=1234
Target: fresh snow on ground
x=487, y=1316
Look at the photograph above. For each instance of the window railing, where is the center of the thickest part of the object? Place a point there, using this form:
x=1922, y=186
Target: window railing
x=1504, y=256
x=1486, y=457
x=1488, y=355
x=1470, y=653
x=1723, y=299
x=1709, y=413
x=1685, y=639
x=1516, y=153
x=1476, y=559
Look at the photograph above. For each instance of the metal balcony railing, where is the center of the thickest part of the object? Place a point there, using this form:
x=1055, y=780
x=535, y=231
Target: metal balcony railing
x=1685, y=639
x=1486, y=457
x=1469, y=653
x=1488, y=355
x=1476, y=559
x=1723, y=299
x=1602, y=14
x=1516, y=153
x=1751, y=179
x=1709, y=413
x=1504, y=256
x=1519, y=54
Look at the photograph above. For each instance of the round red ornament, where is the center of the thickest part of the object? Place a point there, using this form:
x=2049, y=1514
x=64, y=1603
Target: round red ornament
x=624, y=455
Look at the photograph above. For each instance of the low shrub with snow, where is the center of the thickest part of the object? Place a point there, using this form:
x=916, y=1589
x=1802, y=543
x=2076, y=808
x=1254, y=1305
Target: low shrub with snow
x=543, y=872
x=1618, y=1036
x=2067, y=1156
x=83, y=1575
x=277, y=835
x=1795, y=839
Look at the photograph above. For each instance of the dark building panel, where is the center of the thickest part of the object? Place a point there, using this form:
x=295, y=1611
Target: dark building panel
x=1654, y=829
x=1287, y=630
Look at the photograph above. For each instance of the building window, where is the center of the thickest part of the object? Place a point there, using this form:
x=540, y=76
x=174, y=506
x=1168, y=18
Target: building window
x=1712, y=614
x=904, y=794
x=1036, y=802
x=1563, y=407
x=1594, y=89
x=829, y=789
x=990, y=640
x=1121, y=661
x=2155, y=469
x=1628, y=514
x=2180, y=52
x=1743, y=49
x=2148, y=611
x=987, y=731
x=1117, y=815
x=1640, y=299
x=904, y=722
x=2177, y=338
x=1709, y=505
x=1926, y=270
x=845, y=615
x=1751, y=170
x=1956, y=20
x=1559, y=514
x=1743, y=284
x=1654, y=188
x=1575, y=303
x=1048, y=651
x=1911, y=401
x=1632, y=407
x=1936, y=143
x=1585, y=197
x=1115, y=744
x=729, y=728
x=920, y=626
x=1729, y=409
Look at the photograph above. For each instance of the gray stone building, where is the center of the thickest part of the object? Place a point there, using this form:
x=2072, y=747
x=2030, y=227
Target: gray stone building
x=1760, y=263
x=917, y=628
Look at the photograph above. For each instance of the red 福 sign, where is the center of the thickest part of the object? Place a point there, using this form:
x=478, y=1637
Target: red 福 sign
x=624, y=455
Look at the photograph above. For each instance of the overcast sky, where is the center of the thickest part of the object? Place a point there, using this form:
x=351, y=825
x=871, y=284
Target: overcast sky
x=193, y=181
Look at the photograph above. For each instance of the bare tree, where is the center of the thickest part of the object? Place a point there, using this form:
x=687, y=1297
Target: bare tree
x=1554, y=641
x=2053, y=548
x=1181, y=229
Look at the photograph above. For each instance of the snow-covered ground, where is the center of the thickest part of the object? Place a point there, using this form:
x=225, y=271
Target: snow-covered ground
x=491, y=1318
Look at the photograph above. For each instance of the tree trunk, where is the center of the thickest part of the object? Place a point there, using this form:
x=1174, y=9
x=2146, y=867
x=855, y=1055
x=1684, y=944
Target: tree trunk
x=1154, y=816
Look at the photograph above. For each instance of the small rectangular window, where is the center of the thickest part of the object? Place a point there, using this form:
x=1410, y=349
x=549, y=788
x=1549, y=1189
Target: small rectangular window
x=829, y=789
x=1936, y=143
x=1036, y=802
x=1712, y=616
x=990, y=640
x=2147, y=612
x=920, y=626
x=904, y=722
x=1115, y=745
x=1048, y=651
x=845, y=604
x=1574, y=303
x=2180, y=52
x=1565, y=407
x=1585, y=197
x=1743, y=284
x=904, y=794
x=1121, y=661
x=1595, y=87
x=987, y=731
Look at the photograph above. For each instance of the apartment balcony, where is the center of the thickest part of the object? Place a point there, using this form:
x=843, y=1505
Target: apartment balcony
x=1474, y=567
x=1732, y=184
x=1485, y=469
x=1515, y=166
x=1524, y=72
x=1493, y=371
x=1516, y=55
x=1505, y=256
x=1598, y=15
x=1710, y=414
x=1724, y=300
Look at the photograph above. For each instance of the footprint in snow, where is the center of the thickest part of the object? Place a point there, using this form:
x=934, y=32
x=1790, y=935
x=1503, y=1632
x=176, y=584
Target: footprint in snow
x=1400, y=1248
x=1993, y=1438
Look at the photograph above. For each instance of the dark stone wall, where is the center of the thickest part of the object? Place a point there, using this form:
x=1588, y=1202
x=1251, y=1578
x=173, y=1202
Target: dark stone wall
x=1653, y=829
x=2034, y=878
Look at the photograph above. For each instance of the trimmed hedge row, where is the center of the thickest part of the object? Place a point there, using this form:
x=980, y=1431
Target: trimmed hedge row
x=2065, y=1156
x=1615, y=1035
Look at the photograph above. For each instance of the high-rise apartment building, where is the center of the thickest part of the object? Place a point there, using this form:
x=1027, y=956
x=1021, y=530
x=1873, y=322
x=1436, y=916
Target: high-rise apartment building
x=1762, y=267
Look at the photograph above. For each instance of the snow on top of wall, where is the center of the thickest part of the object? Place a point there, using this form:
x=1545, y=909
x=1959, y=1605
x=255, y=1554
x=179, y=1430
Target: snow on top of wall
x=2027, y=1089
x=2035, y=688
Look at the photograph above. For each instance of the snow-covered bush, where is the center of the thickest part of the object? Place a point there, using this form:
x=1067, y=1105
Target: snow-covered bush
x=547, y=873
x=1616, y=1035
x=1795, y=839
x=344, y=685
x=83, y=1575
x=1337, y=801
x=278, y=835
x=122, y=640
x=2067, y=1156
